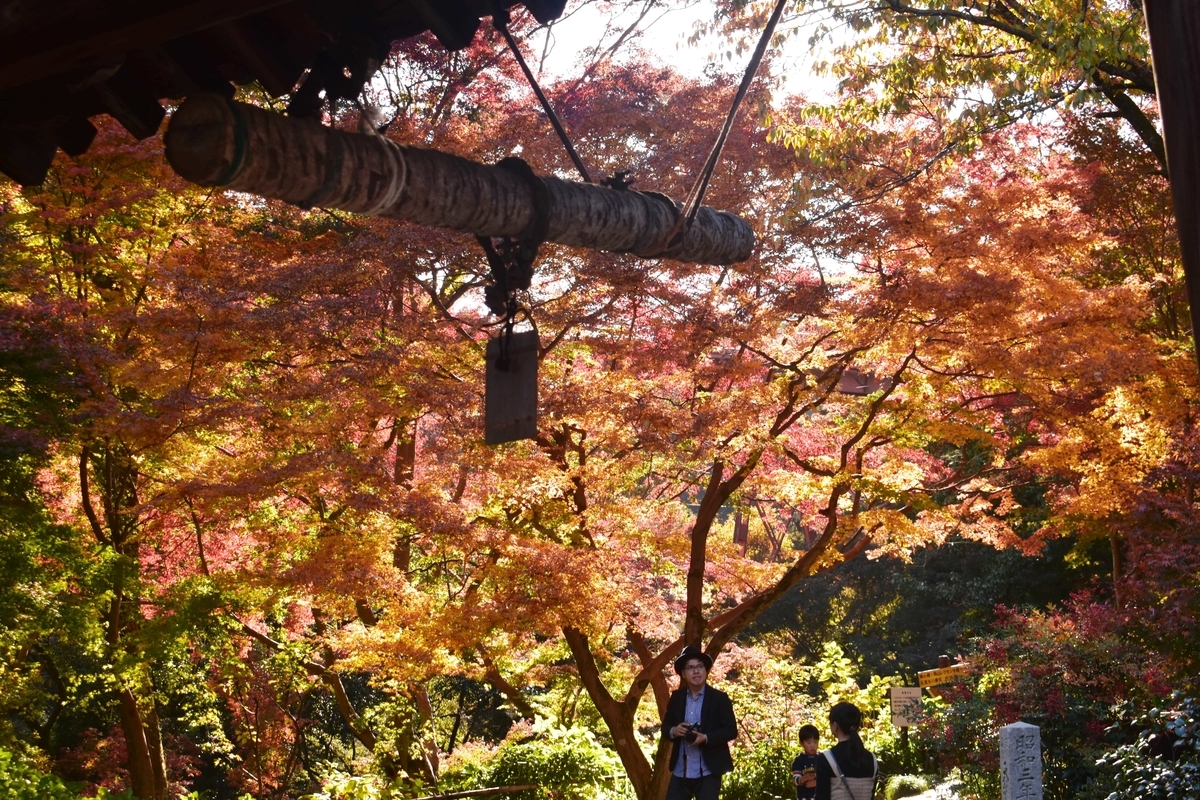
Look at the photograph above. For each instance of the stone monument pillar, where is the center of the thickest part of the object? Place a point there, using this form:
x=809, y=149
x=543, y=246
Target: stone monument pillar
x=1020, y=762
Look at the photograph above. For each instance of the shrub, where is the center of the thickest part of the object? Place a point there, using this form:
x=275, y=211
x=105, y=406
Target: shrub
x=761, y=771
x=1164, y=761
x=1059, y=670
x=563, y=763
x=899, y=786
x=22, y=781
x=340, y=786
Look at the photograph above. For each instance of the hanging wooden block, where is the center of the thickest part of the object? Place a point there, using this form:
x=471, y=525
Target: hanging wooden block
x=510, y=400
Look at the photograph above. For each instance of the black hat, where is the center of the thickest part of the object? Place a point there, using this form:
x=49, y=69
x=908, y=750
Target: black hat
x=690, y=652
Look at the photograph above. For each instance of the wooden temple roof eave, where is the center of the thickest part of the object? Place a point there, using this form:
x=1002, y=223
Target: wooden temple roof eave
x=62, y=63
x=94, y=46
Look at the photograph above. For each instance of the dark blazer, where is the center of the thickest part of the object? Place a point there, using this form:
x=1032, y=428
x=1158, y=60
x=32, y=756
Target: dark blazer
x=716, y=722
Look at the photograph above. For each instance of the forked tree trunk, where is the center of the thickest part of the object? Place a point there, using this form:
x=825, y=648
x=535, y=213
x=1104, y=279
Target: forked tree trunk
x=139, y=720
x=649, y=780
x=147, y=772
x=217, y=142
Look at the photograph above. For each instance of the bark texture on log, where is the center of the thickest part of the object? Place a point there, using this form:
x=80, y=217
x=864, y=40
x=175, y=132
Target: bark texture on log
x=217, y=142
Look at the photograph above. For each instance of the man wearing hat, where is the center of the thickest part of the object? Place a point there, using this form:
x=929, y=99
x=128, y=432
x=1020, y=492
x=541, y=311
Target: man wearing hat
x=700, y=724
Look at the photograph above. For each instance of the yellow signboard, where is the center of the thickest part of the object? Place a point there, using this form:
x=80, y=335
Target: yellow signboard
x=906, y=706
x=936, y=677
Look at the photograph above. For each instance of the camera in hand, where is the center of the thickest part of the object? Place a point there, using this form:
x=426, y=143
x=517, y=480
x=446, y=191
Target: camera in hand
x=693, y=732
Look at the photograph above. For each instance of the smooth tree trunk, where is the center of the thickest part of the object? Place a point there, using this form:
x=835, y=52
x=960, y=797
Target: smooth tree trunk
x=139, y=763
x=118, y=531
x=217, y=142
x=1174, y=27
x=840, y=534
x=648, y=779
x=1118, y=567
x=143, y=743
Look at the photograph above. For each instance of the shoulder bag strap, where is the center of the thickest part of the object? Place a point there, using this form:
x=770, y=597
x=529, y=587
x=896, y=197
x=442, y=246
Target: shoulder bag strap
x=838, y=773
x=874, y=777
x=833, y=765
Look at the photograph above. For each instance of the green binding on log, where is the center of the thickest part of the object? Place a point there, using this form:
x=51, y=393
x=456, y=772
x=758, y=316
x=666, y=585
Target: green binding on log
x=217, y=142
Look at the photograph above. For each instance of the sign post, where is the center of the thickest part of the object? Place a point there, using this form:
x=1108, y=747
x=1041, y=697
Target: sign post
x=906, y=710
x=906, y=705
x=937, y=677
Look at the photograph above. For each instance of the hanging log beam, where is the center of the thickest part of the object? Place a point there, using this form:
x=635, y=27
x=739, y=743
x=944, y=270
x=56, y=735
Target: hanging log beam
x=217, y=142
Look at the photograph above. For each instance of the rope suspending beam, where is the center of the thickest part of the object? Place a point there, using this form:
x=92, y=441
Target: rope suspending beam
x=691, y=204
x=500, y=21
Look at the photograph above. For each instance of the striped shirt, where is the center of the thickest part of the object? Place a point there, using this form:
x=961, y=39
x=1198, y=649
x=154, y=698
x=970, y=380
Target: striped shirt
x=691, y=760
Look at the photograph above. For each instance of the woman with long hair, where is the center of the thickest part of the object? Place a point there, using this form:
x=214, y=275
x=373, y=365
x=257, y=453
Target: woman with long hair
x=846, y=771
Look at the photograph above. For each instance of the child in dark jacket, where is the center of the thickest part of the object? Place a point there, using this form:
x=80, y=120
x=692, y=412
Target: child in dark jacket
x=804, y=768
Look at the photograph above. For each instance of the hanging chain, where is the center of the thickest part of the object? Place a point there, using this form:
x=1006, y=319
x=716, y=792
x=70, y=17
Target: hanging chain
x=499, y=297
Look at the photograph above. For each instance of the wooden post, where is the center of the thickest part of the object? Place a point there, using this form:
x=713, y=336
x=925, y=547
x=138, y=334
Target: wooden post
x=217, y=142
x=1175, y=46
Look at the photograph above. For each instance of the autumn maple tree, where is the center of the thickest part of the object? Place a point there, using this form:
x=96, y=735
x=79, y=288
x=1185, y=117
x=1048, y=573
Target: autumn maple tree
x=947, y=296
x=248, y=477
